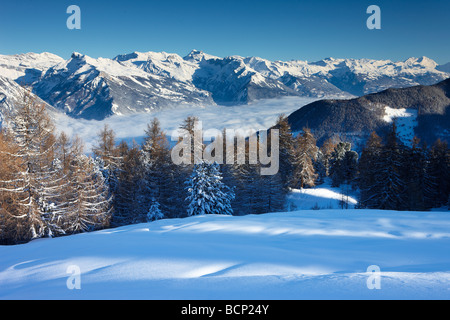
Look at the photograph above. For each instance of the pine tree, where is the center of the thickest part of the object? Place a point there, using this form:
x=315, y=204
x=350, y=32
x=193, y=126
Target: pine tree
x=154, y=213
x=437, y=175
x=368, y=167
x=206, y=192
x=130, y=198
x=161, y=174
x=414, y=173
x=387, y=183
x=320, y=167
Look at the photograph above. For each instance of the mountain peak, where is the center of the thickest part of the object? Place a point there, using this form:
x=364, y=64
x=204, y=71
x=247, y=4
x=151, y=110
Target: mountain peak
x=198, y=56
x=77, y=55
x=423, y=61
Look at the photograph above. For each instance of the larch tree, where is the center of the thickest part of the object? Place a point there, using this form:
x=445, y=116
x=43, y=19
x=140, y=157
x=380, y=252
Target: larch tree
x=33, y=133
x=305, y=156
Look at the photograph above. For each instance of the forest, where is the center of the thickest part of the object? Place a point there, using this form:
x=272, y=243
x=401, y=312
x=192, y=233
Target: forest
x=50, y=186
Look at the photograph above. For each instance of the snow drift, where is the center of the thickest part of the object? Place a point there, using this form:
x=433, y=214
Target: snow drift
x=308, y=254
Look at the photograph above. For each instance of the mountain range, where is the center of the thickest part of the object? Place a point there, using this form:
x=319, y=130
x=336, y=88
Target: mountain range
x=88, y=88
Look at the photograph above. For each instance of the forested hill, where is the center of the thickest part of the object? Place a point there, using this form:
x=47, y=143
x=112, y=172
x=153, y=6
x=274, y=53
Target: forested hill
x=425, y=106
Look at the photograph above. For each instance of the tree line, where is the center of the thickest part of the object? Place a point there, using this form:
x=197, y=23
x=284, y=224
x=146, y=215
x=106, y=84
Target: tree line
x=50, y=187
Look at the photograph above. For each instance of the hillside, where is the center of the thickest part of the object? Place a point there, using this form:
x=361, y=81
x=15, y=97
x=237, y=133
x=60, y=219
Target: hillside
x=308, y=254
x=355, y=119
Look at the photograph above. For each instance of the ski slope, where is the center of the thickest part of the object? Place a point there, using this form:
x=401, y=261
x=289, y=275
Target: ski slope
x=310, y=254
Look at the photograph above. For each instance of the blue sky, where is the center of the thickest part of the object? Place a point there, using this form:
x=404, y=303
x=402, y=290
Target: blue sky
x=275, y=30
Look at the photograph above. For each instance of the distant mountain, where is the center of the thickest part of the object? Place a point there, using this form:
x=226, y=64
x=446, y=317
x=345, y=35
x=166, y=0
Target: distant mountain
x=97, y=88
x=89, y=88
x=420, y=110
x=27, y=68
x=444, y=67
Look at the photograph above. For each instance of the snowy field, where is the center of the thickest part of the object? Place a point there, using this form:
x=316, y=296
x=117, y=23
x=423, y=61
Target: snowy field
x=323, y=196
x=310, y=254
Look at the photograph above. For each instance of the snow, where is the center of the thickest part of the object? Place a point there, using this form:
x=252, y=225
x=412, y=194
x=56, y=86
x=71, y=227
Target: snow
x=307, y=254
x=322, y=197
x=406, y=121
x=14, y=66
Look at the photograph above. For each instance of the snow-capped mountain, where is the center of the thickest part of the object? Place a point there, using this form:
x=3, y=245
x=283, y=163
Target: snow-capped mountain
x=144, y=81
x=27, y=68
x=96, y=88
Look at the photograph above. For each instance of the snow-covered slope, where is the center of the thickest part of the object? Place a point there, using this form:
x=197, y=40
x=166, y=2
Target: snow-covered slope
x=320, y=254
x=27, y=68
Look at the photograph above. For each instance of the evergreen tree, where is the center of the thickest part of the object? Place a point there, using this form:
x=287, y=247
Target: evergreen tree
x=154, y=213
x=368, y=167
x=437, y=175
x=206, y=192
x=130, y=197
x=387, y=179
x=414, y=173
x=161, y=174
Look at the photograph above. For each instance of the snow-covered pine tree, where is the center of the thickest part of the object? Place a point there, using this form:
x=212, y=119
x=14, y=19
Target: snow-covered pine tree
x=154, y=212
x=207, y=194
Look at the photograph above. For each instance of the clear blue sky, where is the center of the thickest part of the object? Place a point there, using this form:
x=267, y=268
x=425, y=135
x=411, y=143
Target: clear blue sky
x=276, y=30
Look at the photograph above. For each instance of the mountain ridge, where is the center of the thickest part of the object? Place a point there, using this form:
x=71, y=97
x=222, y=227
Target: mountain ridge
x=85, y=87
x=354, y=119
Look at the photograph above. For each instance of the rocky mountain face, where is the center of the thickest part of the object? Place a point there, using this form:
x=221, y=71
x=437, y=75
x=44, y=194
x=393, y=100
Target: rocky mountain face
x=89, y=88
